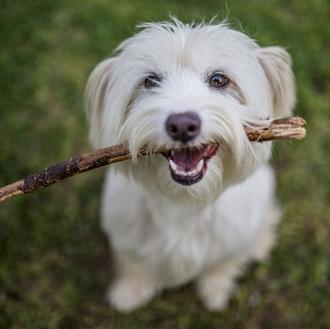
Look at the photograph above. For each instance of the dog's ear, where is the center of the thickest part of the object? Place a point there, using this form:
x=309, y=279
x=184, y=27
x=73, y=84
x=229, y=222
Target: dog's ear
x=276, y=63
x=94, y=98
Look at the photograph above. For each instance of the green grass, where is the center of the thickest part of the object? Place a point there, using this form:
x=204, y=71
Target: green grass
x=54, y=261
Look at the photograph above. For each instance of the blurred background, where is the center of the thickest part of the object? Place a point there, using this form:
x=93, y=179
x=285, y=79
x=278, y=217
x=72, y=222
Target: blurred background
x=54, y=261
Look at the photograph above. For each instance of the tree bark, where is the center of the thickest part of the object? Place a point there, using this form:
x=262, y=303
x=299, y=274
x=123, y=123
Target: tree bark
x=282, y=129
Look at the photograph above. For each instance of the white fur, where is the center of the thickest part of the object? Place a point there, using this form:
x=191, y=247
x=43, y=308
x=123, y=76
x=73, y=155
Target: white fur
x=163, y=233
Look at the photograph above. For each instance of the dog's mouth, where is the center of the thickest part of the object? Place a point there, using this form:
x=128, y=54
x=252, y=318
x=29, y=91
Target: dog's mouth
x=189, y=165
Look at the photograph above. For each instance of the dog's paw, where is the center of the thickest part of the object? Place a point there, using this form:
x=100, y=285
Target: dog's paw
x=214, y=294
x=216, y=286
x=128, y=294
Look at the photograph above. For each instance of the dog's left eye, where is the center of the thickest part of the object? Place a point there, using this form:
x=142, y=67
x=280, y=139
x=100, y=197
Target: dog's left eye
x=152, y=81
x=218, y=80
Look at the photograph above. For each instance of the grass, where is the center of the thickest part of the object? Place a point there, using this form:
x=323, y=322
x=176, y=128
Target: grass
x=54, y=261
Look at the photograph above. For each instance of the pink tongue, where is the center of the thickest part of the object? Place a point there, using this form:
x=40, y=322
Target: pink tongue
x=187, y=158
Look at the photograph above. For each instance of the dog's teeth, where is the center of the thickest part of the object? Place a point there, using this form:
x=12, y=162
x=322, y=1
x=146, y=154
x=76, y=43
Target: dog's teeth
x=200, y=165
x=173, y=165
x=178, y=171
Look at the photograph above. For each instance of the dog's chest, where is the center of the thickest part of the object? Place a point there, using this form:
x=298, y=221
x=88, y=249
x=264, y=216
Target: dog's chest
x=182, y=245
x=182, y=250
x=185, y=255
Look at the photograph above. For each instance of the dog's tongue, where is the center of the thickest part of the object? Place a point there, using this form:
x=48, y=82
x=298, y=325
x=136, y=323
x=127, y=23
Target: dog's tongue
x=187, y=158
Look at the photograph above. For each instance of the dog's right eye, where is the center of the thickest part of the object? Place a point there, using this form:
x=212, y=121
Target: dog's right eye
x=152, y=81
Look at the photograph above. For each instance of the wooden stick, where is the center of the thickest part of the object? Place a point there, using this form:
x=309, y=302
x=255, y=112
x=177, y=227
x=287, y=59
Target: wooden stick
x=290, y=128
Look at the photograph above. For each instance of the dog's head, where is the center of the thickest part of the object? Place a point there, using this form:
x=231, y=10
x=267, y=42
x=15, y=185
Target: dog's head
x=190, y=89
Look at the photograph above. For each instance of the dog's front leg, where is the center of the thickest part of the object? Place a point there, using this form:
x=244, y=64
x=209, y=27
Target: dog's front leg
x=134, y=285
x=217, y=283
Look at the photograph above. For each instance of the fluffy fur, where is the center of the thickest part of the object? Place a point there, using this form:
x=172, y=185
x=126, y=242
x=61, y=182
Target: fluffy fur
x=163, y=233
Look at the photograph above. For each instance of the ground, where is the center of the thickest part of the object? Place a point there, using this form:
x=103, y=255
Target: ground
x=54, y=260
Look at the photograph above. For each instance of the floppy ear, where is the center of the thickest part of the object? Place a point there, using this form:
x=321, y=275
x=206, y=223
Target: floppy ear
x=94, y=98
x=276, y=63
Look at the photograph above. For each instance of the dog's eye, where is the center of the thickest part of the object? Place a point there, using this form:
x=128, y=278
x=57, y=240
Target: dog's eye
x=152, y=81
x=218, y=80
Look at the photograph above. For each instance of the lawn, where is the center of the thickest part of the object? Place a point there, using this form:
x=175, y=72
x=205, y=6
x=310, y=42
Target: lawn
x=54, y=261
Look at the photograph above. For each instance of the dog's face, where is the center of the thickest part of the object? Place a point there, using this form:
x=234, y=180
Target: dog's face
x=189, y=89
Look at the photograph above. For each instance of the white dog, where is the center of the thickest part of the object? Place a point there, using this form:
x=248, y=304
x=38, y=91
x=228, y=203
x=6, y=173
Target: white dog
x=204, y=209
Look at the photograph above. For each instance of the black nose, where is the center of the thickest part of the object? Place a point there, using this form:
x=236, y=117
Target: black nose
x=183, y=127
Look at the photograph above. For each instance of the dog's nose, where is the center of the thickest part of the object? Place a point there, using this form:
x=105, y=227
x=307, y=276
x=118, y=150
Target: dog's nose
x=183, y=127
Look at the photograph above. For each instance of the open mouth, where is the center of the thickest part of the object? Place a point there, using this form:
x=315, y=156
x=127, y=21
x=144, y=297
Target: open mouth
x=189, y=165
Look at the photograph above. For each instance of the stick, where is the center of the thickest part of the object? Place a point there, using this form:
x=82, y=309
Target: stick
x=290, y=128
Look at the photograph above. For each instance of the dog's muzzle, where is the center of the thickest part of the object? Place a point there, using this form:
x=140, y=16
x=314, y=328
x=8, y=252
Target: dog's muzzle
x=189, y=164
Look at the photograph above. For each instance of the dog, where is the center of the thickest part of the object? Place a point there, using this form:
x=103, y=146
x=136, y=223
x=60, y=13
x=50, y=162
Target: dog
x=205, y=207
